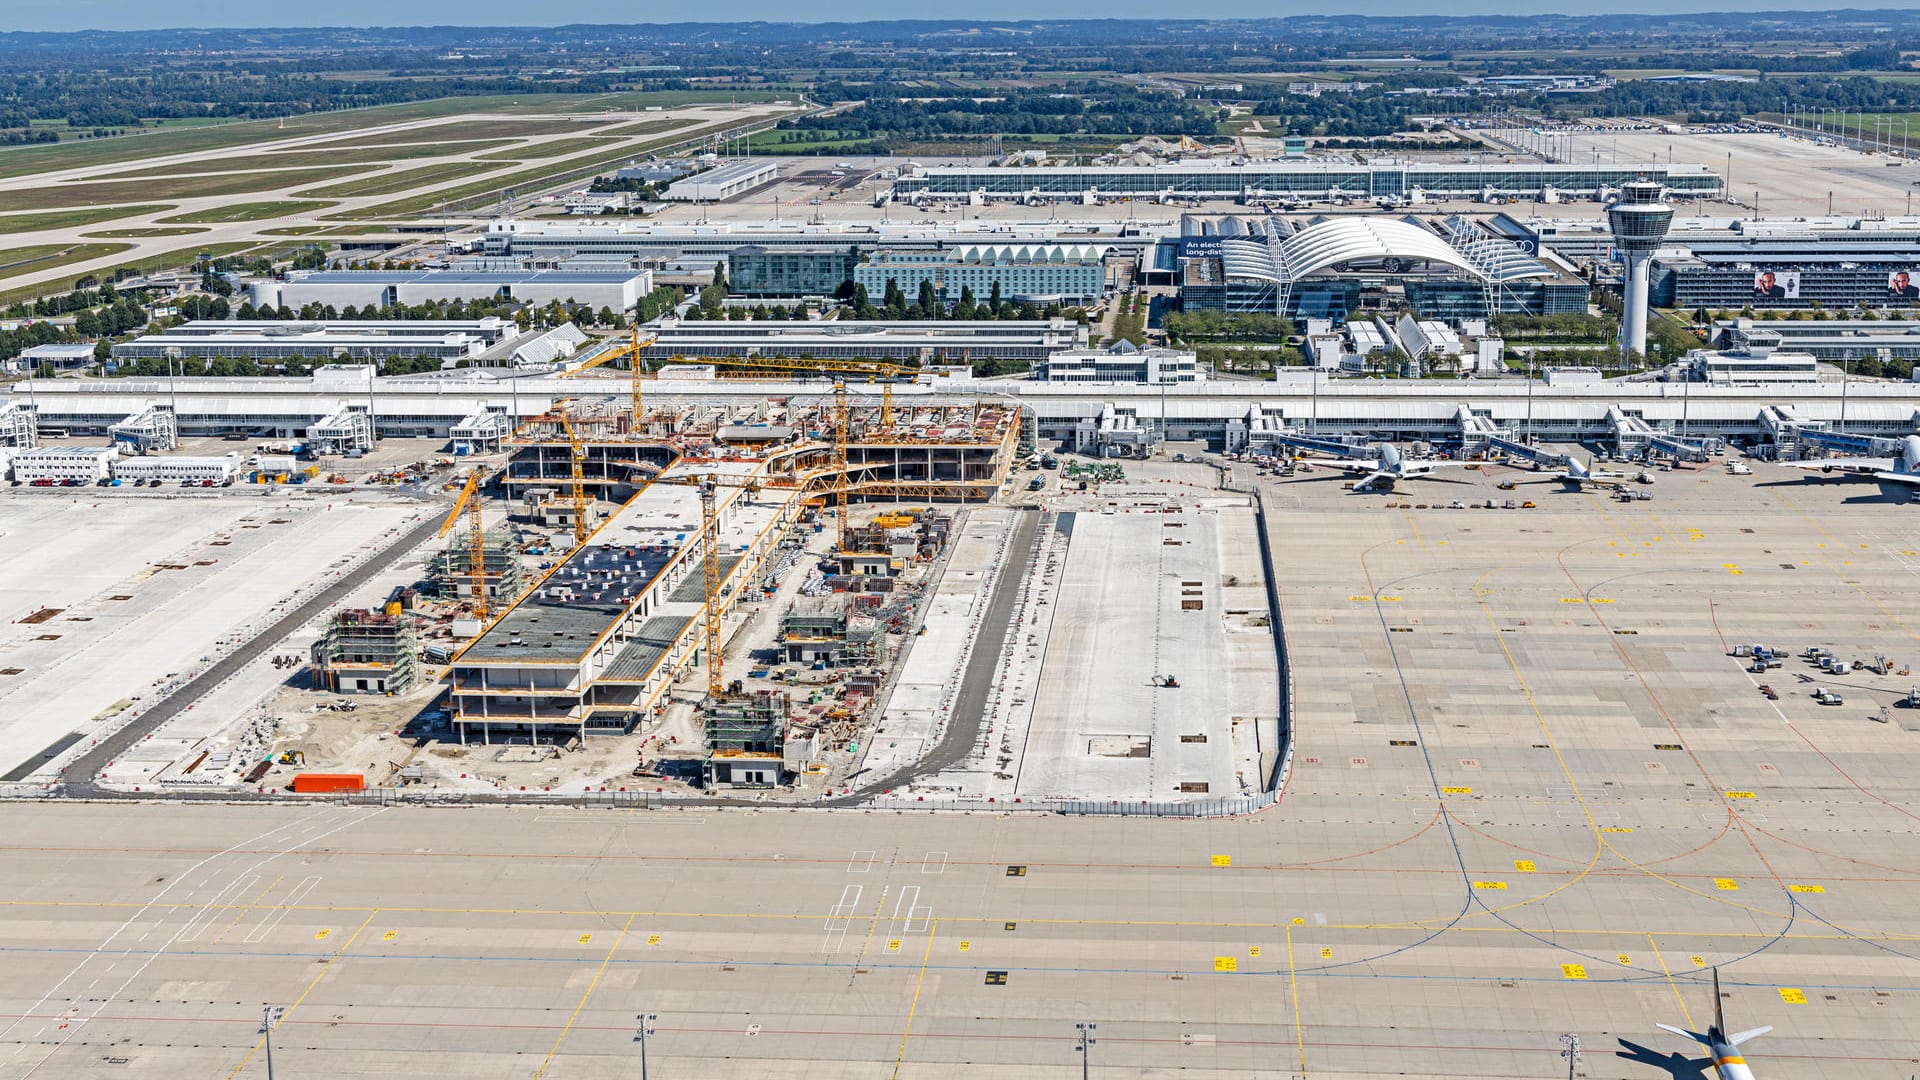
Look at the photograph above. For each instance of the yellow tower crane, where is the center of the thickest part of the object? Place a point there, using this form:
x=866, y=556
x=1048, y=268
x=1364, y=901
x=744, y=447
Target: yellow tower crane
x=709, y=485
x=840, y=465
x=578, y=475
x=469, y=501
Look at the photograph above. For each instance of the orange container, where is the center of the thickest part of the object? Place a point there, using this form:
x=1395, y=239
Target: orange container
x=312, y=783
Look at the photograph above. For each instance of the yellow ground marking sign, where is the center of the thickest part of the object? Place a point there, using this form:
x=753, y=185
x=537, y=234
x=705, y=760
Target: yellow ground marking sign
x=1807, y=888
x=1326, y=953
x=1571, y=600
x=1226, y=963
x=1731, y=568
x=653, y=939
x=1456, y=791
x=1253, y=951
x=1490, y=885
x=1600, y=600
x=1793, y=996
x=585, y=938
x=893, y=944
x=1739, y=794
x=1223, y=860
x=1394, y=599
x=1616, y=828
x=1525, y=866
x=389, y=935
x=1726, y=884
x=322, y=935
x=966, y=946
x=1625, y=959
x=1574, y=971
x=1299, y=922
x=1698, y=961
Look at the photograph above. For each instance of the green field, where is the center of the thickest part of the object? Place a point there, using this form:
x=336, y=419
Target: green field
x=543, y=151
x=26, y=160
x=471, y=131
x=32, y=260
x=122, y=191
x=67, y=219
x=168, y=260
x=151, y=230
x=549, y=173
x=388, y=183
x=260, y=211
x=640, y=99
x=644, y=127
x=317, y=157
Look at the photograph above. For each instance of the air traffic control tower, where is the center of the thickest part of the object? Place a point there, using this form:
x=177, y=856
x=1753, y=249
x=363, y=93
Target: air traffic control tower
x=1639, y=222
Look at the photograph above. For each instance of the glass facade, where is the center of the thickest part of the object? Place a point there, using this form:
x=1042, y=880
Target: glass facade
x=759, y=271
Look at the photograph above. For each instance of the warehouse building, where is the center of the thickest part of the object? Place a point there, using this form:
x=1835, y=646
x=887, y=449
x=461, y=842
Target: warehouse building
x=1040, y=273
x=1321, y=180
x=724, y=182
x=614, y=289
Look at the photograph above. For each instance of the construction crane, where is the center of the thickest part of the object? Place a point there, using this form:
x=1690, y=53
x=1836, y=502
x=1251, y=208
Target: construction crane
x=578, y=475
x=840, y=464
x=709, y=485
x=469, y=501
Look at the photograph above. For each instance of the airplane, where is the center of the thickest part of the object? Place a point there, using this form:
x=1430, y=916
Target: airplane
x=1385, y=467
x=1577, y=475
x=1727, y=1062
x=1902, y=469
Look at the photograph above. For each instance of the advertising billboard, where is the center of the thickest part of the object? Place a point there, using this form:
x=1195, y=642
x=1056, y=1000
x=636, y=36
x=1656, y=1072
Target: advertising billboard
x=1776, y=285
x=1903, y=285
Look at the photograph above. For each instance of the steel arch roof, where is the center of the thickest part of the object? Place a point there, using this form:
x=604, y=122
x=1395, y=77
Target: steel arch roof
x=1341, y=239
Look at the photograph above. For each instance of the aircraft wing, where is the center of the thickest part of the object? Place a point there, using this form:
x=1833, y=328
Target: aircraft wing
x=1370, y=465
x=1848, y=464
x=1909, y=479
x=1685, y=1034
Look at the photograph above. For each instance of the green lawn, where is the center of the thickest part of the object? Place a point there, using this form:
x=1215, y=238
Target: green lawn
x=123, y=191
x=542, y=151
x=32, y=260
x=151, y=230
x=390, y=183
x=260, y=211
x=67, y=219
x=544, y=175
x=169, y=260
x=472, y=131
x=314, y=157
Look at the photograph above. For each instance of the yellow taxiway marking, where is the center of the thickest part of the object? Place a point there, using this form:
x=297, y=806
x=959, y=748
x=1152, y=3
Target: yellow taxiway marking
x=1726, y=884
x=1808, y=888
x=1222, y=860
x=1226, y=963
x=593, y=985
x=1574, y=971
x=1671, y=985
x=1254, y=950
x=1525, y=866
x=1293, y=989
x=1456, y=791
x=1497, y=885
x=297, y=1002
x=919, y=982
x=389, y=935
x=1793, y=995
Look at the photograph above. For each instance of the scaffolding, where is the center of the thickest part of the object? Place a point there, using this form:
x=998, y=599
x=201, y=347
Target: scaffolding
x=746, y=740
x=501, y=575
x=367, y=652
x=152, y=428
x=18, y=427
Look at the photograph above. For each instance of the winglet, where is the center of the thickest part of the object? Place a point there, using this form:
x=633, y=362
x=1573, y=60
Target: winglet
x=1744, y=1036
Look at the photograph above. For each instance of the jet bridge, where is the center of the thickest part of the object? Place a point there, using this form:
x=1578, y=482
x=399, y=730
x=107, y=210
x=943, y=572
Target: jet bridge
x=152, y=428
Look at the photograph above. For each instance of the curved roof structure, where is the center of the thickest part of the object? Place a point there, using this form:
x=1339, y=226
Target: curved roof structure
x=1343, y=239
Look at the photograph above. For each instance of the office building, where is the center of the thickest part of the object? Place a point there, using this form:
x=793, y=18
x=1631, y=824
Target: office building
x=1040, y=273
x=1121, y=363
x=273, y=342
x=1015, y=342
x=758, y=270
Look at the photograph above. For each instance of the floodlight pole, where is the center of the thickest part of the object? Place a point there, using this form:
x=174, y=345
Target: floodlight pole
x=645, y=1028
x=1086, y=1046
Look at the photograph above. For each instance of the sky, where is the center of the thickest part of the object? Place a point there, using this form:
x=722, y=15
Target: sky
x=145, y=14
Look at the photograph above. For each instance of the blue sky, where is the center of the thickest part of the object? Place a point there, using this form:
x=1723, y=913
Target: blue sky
x=145, y=14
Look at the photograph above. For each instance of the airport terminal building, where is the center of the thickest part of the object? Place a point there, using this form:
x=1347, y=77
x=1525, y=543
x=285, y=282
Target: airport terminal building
x=1253, y=181
x=1337, y=267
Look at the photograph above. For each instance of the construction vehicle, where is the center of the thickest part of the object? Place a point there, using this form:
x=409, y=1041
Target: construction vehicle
x=469, y=501
x=293, y=757
x=1166, y=682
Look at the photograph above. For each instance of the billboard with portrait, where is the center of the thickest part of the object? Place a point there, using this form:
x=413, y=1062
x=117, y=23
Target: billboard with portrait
x=1903, y=285
x=1776, y=285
